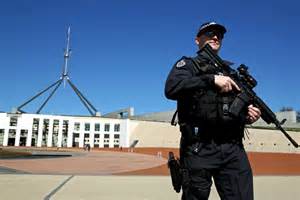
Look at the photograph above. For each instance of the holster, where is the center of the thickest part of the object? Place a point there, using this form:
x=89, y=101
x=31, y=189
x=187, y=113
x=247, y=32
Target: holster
x=175, y=172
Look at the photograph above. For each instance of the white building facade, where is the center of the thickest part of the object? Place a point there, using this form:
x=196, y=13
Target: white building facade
x=37, y=130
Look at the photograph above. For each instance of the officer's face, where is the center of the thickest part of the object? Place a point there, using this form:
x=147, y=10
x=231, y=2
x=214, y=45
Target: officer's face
x=213, y=38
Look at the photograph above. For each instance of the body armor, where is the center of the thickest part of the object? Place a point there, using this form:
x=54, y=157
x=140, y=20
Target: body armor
x=207, y=108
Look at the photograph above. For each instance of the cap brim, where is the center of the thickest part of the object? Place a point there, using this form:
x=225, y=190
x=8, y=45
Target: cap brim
x=211, y=27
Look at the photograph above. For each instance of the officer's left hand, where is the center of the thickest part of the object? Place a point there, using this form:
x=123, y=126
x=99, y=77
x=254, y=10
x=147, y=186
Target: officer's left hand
x=253, y=114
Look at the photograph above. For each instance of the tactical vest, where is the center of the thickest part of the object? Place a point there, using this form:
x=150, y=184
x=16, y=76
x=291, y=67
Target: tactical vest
x=208, y=108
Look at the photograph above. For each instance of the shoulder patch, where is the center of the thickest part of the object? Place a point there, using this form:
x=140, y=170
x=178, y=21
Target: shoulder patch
x=181, y=63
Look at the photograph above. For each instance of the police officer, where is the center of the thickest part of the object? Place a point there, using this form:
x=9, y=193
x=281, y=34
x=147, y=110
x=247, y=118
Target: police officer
x=211, y=139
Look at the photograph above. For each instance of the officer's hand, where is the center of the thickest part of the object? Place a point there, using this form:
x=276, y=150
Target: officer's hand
x=225, y=83
x=253, y=114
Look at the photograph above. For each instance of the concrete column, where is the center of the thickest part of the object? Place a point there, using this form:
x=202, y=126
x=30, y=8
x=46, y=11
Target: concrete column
x=81, y=135
x=124, y=136
x=40, y=133
x=101, y=140
x=5, y=138
x=111, y=137
x=92, y=134
x=125, y=132
x=50, y=133
x=29, y=135
x=17, y=138
x=70, y=133
x=59, y=140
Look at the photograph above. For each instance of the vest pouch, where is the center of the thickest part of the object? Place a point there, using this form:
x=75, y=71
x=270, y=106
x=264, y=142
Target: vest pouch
x=232, y=111
x=225, y=103
x=239, y=104
x=189, y=134
x=205, y=108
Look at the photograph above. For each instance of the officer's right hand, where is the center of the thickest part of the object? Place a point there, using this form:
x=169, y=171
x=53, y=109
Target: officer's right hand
x=225, y=83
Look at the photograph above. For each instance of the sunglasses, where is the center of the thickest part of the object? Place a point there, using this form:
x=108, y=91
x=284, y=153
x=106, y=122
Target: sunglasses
x=211, y=34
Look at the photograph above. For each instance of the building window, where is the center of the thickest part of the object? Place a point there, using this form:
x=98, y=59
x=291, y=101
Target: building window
x=24, y=132
x=97, y=136
x=45, y=126
x=106, y=127
x=87, y=126
x=86, y=138
x=65, y=128
x=35, y=124
x=116, y=136
x=55, y=133
x=23, y=137
x=96, y=142
x=55, y=126
x=76, y=126
x=106, y=146
x=116, y=140
x=117, y=128
x=11, y=137
x=35, y=128
x=12, y=133
x=13, y=121
x=45, y=132
x=97, y=127
x=106, y=135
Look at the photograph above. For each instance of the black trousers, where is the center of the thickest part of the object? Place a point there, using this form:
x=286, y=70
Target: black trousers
x=226, y=163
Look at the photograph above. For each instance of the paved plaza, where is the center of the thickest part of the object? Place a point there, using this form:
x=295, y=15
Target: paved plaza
x=85, y=163
x=93, y=175
x=68, y=187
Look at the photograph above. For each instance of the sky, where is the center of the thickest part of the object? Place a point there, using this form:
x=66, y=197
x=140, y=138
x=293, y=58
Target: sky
x=122, y=51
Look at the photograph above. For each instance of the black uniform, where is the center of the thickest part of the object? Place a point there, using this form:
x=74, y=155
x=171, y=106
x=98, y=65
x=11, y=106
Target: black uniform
x=211, y=140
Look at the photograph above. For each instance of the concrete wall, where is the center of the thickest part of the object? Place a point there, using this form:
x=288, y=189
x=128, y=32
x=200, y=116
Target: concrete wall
x=160, y=134
x=261, y=140
x=155, y=134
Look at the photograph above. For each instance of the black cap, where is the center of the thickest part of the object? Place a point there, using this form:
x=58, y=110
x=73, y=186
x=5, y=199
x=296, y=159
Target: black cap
x=211, y=26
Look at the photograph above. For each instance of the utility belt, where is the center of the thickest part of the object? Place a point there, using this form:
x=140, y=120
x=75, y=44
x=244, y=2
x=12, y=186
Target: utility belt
x=192, y=133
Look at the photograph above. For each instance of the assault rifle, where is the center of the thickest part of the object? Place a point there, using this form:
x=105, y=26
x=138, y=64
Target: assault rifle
x=247, y=96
